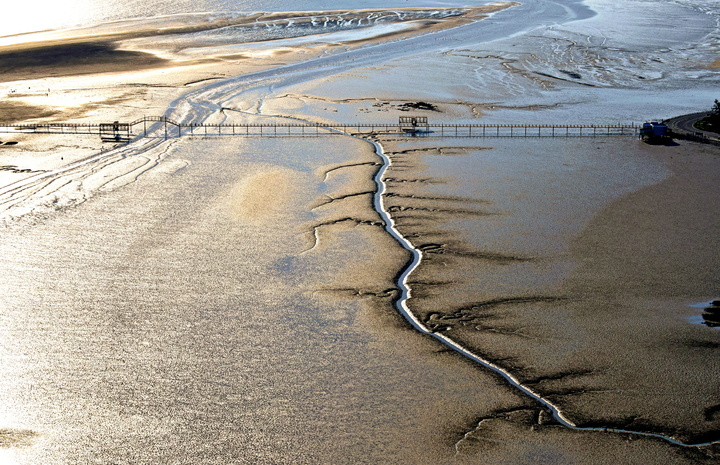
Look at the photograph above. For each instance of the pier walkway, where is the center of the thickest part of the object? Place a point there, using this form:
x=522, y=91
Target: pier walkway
x=151, y=126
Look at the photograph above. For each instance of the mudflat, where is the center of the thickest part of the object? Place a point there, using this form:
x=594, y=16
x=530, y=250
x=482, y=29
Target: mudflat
x=587, y=303
x=570, y=262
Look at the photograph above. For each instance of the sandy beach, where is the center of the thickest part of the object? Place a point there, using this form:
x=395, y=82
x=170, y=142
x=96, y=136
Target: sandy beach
x=219, y=299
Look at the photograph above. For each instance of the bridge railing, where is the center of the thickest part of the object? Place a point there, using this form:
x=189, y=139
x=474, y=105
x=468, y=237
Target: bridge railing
x=161, y=126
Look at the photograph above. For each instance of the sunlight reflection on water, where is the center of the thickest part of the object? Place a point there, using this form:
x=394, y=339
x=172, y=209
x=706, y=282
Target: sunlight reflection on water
x=75, y=13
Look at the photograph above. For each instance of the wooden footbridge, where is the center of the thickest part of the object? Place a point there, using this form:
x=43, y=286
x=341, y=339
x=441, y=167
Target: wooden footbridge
x=151, y=126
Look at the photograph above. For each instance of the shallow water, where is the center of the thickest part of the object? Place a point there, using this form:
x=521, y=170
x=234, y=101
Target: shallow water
x=76, y=13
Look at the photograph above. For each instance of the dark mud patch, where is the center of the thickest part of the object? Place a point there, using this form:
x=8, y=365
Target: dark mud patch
x=711, y=315
x=72, y=59
x=572, y=74
x=474, y=315
x=439, y=198
x=566, y=80
x=15, y=169
x=424, y=106
x=16, y=112
x=447, y=211
x=712, y=413
x=408, y=106
x=559, y=376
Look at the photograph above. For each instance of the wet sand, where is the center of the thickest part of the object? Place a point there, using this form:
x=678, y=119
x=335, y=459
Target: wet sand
x=585, y=304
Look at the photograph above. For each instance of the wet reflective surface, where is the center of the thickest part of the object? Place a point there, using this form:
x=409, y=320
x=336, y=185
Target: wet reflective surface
x=231, y=300
x=177, y=320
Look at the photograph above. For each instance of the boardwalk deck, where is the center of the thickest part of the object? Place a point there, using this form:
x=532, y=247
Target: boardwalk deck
x=162, y=127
